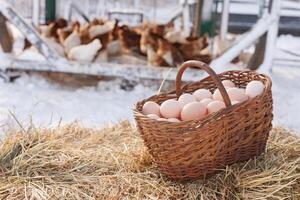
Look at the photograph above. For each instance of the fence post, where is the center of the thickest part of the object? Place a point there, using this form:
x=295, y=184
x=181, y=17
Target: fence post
x=36, y=12
x=225, y=19
x=50, y=10
x=271, y=37
x=6, y=40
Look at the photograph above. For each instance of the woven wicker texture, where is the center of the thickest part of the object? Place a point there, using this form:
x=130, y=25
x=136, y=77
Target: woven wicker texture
x=193, y=149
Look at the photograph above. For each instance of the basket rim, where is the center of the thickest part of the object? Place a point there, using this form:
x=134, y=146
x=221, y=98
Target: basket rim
x=172, y=93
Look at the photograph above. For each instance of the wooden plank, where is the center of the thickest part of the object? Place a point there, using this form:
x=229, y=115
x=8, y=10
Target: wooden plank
x=31, y=34
x=55, y=63
x=6, y=40
x=130, y=72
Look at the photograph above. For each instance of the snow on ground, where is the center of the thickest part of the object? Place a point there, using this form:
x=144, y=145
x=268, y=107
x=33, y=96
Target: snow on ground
x=286, y=97
x=33, y=98
x=45, y=103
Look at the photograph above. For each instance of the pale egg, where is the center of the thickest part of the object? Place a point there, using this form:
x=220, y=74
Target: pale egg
x=153, y=116
x=186, y=98
x=236, y=94
x=194, y=110
x=206, y=101
x=254, y=88
x=150, y=107
x=202, y=94
x=215, y=106
x=234, y=102
x=228, y=83
x=242, y=89
x=173, y=120
x=217, y=95
x=170, y=109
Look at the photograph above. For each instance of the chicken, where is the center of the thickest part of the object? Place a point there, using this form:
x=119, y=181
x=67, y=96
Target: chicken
x=85, y=52
x=146, y=40
x=96, y=30
x=175, y=37
x=129, y=39
x=192, y=48
x=53, y=26
x=97, y=22
x=102, y=32
x=63, y=33
x=84, y=34
x=71, y=41
x=158, y=29
x=153, y=59
x=114, y=46
x=169, y=53
x=164, y=51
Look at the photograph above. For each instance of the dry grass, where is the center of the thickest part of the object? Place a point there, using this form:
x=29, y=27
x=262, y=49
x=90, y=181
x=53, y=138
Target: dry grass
x=77, y=163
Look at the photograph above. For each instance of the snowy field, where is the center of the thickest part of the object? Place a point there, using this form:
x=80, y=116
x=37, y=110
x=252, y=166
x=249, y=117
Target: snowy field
x=32, y=99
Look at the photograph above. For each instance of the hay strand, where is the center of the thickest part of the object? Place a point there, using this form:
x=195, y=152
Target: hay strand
x=72, y=162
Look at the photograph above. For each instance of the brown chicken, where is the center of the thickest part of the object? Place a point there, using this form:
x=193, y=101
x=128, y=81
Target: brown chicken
x=63, y=33
x=159, y=51
x=192, y=49
x=54, y=26
x=129, y=39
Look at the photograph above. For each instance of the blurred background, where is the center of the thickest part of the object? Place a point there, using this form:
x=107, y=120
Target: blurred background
x=58, y=55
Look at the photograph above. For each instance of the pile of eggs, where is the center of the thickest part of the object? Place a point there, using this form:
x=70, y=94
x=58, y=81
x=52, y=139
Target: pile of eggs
x=201, y=103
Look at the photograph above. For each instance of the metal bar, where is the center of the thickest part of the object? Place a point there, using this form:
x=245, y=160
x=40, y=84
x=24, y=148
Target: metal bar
x=225, y=19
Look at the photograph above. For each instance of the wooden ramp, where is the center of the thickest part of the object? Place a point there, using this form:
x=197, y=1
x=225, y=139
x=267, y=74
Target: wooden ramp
x=55, y=63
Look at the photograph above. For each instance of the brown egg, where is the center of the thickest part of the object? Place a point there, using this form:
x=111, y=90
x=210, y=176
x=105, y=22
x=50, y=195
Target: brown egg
x=185, y=99
x=236, y=94
x=228, y=83
x=217, y=95
x=202, y=94
x=170, y=109
x=153, y=116
x=150, y=107
x=194, y=110
x=234, y=102
x=206, y=101
x=173, y=120
x=162, y=119
x=215, y=106
x=254, y=88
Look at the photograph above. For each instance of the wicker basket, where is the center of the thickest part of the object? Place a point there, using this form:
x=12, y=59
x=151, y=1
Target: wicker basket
x=193, y=149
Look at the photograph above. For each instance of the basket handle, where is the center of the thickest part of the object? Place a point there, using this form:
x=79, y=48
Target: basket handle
x=210, y=71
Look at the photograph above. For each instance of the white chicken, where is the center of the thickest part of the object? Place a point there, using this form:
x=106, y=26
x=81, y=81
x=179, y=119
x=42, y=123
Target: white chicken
x=85, y=53
x=71, y=41
x=101, y=29
x=175, y=37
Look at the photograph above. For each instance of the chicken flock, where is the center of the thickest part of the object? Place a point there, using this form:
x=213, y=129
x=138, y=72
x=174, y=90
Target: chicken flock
x=96, y=41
